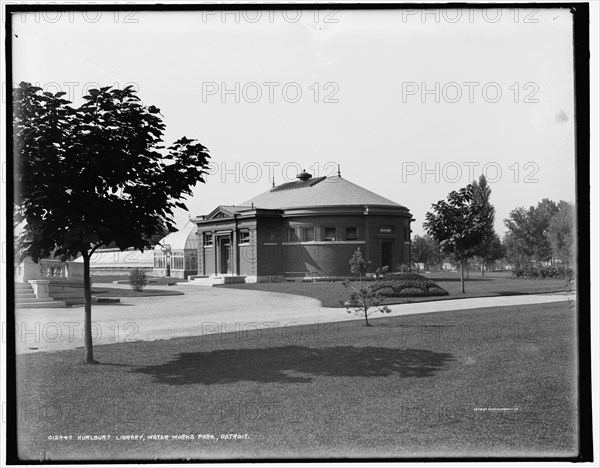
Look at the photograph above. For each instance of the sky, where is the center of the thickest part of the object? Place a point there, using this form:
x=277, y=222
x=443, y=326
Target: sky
x=410, y=104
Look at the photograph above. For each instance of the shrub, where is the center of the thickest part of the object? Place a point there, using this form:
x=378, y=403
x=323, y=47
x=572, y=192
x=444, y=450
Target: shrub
x=540, y=272
x=138, y=279
x=364, y=299
x=358, y=264
x=408, y=285
x=402, y=268
x=381, y=272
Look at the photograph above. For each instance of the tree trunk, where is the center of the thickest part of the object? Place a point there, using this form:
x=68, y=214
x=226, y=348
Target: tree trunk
x=467, y=262
x=482, y=269
x=87, y=322
x=462, y=276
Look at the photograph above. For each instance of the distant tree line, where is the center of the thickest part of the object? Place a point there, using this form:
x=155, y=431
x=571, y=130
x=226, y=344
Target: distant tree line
x=460, y=230
x=542, y=234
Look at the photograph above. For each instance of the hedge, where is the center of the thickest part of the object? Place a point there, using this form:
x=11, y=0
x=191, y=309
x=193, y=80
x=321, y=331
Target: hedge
x=540, y=272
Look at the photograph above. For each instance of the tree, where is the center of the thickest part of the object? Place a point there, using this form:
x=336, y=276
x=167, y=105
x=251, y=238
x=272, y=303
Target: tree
x=490, y=251
x=424, y=250
x=560, y=233
x=95, y=175
x=358, y=265
x=481, y=197
x=363, y=298
x=458, y=225
x=527, y=239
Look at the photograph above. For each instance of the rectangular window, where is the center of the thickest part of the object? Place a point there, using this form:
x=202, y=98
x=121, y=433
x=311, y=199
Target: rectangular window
x=351, y=233
x=244, y=237
x=208, y=239
x=329, y=234
x=177, y=262
x=292, y=237
x=159, y=262
x=308, y=234
x=191, y=261
x=386, y=229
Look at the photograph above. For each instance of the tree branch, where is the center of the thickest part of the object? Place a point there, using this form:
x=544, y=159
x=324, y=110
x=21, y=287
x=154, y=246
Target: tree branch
x=94, y=248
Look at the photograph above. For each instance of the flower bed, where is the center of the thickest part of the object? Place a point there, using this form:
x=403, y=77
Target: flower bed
x=408, y=285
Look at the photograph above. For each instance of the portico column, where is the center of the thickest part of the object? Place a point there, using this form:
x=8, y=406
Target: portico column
x=216, y=251
x=234, y=252
x=201, y=267
x=235, y=249
x=367, y=233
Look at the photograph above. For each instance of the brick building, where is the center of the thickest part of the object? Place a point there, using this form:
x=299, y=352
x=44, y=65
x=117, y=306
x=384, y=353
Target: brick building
x=308, y=228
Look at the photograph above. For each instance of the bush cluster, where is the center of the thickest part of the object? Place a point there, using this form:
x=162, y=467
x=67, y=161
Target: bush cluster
x=137, y=279
x=408, y=285
x=402, y=268
x=540, y=272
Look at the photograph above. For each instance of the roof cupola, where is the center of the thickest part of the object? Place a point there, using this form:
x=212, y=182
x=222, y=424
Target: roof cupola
x=304, y=176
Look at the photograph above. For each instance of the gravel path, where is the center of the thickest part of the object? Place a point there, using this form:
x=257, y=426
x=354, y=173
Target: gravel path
x=205, y=310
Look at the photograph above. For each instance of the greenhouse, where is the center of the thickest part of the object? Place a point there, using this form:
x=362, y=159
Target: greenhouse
x=177, y=254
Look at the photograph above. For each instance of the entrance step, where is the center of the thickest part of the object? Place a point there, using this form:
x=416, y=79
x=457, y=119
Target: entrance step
x=40, y=305
x=212, y=280
x=25, y=299
x=24, y=295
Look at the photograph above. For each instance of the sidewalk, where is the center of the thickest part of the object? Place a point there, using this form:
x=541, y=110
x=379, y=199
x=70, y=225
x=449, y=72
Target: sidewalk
x=203, y=310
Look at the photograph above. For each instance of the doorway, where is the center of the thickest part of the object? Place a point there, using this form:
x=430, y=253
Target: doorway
x=224, y=256
x=387, y=254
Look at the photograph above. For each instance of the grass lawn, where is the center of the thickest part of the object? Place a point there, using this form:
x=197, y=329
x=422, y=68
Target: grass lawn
x=485, y=382
x=493, y=284
x=152, y=280
x=101, y=291
x=101, y=287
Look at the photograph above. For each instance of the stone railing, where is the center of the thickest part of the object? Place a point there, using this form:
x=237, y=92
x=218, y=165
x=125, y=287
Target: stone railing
x=53, y=269
x=49, y=269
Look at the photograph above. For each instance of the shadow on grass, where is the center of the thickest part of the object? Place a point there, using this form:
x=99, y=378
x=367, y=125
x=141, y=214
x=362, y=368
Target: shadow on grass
x=296, y=364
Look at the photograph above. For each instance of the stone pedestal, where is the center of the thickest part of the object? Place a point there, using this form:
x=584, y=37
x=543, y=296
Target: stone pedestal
x=27, y=270
x=41, y=288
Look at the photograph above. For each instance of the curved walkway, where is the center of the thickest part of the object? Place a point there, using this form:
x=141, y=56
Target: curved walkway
x=205, y=310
